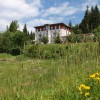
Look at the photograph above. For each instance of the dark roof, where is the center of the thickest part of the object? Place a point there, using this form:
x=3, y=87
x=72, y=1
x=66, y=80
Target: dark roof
x=52, y=24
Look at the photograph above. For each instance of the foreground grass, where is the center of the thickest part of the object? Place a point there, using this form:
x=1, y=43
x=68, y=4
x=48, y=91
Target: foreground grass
x=23, y=78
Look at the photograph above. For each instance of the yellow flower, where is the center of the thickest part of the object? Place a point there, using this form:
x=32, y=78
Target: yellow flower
x=98, y=79
x=97, y=74
x=81, y=92
x=79, y=88
x=87, y=88
x=87, y=94
x=84, y=87
x=94, y=75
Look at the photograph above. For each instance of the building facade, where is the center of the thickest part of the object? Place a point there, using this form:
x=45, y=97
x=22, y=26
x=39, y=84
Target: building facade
x=51, y=31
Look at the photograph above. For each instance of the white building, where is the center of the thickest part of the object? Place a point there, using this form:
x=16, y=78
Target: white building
x=51, y=31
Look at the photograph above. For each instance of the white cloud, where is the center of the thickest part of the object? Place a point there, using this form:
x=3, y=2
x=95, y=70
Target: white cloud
x=34, y=14
x=63, y=10
x=89, y=3
x=36, y=22
x=3, y=24
x=17, y=10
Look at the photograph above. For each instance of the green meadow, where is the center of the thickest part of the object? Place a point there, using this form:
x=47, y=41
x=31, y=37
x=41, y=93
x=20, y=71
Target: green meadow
x=28, y=78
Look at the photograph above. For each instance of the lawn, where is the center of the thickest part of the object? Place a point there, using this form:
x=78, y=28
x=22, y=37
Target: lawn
x=24, y=78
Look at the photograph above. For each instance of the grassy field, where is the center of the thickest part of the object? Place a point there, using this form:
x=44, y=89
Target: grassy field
x=23, y=78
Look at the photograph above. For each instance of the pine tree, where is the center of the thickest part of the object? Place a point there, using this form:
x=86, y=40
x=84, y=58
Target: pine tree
x=91, y=20
x=25, y=32
x=32, y=36
x=13, y=26
x=76, y=29
x=97, y=16
x=25, y=29
x=84, y=26
x=70, y=24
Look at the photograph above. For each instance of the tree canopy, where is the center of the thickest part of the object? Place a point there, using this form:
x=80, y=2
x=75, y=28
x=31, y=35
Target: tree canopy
x=91, y=20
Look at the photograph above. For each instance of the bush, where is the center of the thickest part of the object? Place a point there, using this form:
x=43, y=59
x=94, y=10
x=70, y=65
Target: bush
x=57, y=39
x=45, y=39
x=73, y=38
x=46, y=51
x=32, y=51
x=15, y=51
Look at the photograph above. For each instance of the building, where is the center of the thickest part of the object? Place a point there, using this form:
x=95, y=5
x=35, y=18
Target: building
x=88, y=37
x=51, y=31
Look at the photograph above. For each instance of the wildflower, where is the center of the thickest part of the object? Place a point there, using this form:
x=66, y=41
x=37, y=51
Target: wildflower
x=94, y=75
x=81, y=92
x=98, y=79
x=97, y=74
x=87, y=88
x=87, y=94
x=84, y=87
x=79, y=89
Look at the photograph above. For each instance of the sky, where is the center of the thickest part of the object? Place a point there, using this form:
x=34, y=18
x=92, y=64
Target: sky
x=39, y=12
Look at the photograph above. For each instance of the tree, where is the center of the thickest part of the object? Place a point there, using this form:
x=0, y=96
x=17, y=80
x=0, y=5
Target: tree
x=70, y=24
x=94, y=18
x=57, y=39
x=25, y=30
x=97, y=17
x=18, y=39
x=84, y=25
x=76, y=29
x=13, y=26
x=32, y=36
x=5, y=43
x=97, y=33
x=44, y=39
x=91, y=20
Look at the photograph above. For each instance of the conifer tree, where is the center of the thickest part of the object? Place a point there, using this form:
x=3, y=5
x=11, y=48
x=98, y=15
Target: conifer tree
x=25, y=29
x=25, y=32
x=85, y=22
x=91, y=20
x=97, y=16
x=13, y=26
x=32, y=35
x=70, y=24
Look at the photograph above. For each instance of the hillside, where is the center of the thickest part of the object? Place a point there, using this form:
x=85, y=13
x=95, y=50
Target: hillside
x=23, y=78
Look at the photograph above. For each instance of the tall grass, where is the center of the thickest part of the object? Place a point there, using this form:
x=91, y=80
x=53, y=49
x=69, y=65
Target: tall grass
x=48, y=78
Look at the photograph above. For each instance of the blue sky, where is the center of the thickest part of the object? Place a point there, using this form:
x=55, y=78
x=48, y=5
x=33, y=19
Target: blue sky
x=39, y=12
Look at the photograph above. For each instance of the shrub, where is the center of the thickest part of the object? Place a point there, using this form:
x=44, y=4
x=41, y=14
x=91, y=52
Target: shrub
x=32, y=51
x=73, y=38
x=57, y=39
x=15, y=51
x=46, y=51
x=44, y=39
